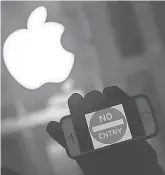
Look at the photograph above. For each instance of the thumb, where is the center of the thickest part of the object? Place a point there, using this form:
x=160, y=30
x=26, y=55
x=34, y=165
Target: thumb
x=55, y=131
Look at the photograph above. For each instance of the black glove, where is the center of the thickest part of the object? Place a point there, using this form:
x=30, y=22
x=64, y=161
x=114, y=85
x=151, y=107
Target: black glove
x=130, y=158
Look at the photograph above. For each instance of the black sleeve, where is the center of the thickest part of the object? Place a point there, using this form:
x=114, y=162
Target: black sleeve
x=143, y=162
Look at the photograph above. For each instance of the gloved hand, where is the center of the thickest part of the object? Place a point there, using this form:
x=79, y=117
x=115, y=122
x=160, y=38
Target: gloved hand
x=129, y=158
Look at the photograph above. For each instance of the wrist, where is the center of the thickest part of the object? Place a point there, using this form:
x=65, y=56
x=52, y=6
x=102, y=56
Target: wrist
x=139, y=161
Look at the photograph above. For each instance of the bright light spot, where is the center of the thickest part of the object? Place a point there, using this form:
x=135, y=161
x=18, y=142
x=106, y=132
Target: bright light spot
x=35, y=56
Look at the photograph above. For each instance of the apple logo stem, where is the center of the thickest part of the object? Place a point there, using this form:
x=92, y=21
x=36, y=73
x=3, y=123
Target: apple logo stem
x=35, y=56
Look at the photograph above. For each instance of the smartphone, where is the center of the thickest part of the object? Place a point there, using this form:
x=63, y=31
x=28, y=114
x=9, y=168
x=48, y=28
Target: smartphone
x=110, y=126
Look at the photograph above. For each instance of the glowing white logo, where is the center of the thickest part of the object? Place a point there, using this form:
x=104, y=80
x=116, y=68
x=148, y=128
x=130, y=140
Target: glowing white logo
x=35, y=56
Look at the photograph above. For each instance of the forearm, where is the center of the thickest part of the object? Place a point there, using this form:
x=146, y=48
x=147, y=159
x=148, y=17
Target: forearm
x=94, y=170
x=143, y=162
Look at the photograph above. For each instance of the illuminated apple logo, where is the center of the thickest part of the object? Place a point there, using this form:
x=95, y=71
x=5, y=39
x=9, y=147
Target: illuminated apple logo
x=35, y=56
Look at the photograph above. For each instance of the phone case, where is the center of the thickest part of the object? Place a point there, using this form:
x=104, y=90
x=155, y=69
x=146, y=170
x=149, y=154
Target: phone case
x=153, y=114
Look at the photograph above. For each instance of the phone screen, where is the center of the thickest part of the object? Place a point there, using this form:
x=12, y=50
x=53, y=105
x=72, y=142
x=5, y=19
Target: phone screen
x=109, y=126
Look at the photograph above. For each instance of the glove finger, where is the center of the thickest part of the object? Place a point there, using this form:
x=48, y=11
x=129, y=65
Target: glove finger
x=75, y=103
x=55, y=131
x=93, y=101
x=76, y=106
x=114, y=94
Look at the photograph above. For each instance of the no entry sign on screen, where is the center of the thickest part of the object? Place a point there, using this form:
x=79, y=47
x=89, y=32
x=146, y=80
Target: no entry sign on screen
x=108, y=126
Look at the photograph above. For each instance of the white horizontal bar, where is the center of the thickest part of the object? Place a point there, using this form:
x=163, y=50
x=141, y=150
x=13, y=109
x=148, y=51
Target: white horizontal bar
x=108, y=125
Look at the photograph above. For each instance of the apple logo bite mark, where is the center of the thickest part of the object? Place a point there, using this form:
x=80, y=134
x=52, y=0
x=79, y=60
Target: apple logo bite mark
x=35, y=56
